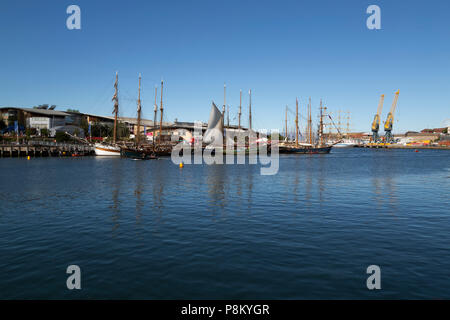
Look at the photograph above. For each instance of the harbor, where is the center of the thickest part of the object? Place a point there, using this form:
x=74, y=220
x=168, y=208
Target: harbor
x=28, y=131
x=224, y=159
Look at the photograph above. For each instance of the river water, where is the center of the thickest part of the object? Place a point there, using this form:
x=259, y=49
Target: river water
x=151, y=230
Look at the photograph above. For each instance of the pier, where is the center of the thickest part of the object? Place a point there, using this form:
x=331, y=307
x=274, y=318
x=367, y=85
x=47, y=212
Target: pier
x=45, y=149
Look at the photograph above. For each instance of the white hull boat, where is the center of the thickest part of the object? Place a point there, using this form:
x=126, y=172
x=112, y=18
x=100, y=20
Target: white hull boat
x=344, y=145
x=106, y=150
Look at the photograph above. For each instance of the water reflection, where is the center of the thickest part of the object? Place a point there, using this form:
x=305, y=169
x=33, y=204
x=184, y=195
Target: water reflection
x=391, y=194
x=309, y=180
x=215, y=180
x=117, y=181
x=250, y=189
x=158, y=180
x=138, y=191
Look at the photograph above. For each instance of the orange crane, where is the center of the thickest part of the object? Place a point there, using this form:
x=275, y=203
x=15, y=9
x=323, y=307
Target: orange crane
x=376, y=120
x=388, y=137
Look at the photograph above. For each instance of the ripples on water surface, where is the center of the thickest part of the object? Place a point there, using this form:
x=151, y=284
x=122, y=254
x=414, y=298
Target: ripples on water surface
x=147, y=229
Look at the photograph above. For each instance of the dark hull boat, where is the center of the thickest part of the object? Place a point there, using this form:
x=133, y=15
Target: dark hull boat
x=137, y=154
x=306, y=150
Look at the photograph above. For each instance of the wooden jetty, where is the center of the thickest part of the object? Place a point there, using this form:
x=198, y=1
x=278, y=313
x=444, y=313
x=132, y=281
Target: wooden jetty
x=45, y=149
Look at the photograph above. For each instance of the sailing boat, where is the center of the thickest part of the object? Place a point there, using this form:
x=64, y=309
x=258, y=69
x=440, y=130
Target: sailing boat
x=309, y=147
x=137, y=152
x=102, y=149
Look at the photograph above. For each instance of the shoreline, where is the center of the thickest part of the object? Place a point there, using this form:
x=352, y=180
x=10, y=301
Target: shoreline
x=403, y=147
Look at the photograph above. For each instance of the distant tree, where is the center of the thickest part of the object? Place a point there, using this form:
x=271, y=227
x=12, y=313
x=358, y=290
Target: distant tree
x=85, y=126
x=61, y=137
x=44, y=132
x=73, y=110
x=101, y=130
x=122, y=130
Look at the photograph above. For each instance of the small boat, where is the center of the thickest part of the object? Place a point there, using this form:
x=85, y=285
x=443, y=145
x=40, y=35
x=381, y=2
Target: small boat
x=106, y=150
x=344, y=144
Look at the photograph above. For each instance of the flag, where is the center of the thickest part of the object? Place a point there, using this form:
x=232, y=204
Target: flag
x=16, y=126
x=89, y=129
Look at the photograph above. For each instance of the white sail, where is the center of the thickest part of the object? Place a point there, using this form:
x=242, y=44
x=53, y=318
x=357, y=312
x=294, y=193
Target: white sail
x=214, y=132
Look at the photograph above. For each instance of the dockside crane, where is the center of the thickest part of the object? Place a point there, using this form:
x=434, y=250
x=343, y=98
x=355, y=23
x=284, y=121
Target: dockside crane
x=388, y=137
x=376, y=120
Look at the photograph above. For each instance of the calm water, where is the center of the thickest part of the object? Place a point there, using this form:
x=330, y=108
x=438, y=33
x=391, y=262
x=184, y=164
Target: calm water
x=147, y=229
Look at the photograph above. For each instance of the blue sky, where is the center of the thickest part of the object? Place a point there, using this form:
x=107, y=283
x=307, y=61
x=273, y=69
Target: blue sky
x=279, y=49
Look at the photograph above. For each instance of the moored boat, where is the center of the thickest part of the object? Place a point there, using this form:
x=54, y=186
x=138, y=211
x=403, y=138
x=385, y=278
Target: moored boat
x=137, y=154
x=320, y=147
x=344, y=144
x=103, y=149
x=305, y=150
x=106, y=150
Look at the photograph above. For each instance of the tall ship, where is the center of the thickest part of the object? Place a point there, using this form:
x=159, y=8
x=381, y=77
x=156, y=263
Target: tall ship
x=308, y=147
x=137, y=151
x=108, y=149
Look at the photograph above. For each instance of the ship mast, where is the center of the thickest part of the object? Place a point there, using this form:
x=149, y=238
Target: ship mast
x=161, y=109
x=309, y=122
x=250, y=111
x=296, y=122
x=224, y=103
x=155, y=114
x=223, y=110
x=116, y=107
x=285, y=124
x=240, y=109
x=138, y=134
x=321, y=125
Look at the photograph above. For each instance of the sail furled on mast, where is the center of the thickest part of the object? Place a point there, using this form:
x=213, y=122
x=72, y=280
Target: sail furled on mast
x=115, y=97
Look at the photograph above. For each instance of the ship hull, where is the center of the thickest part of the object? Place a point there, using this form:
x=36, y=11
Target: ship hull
x=306, y=150
x=107, y=151
x=344, y=145
x=136, y=154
